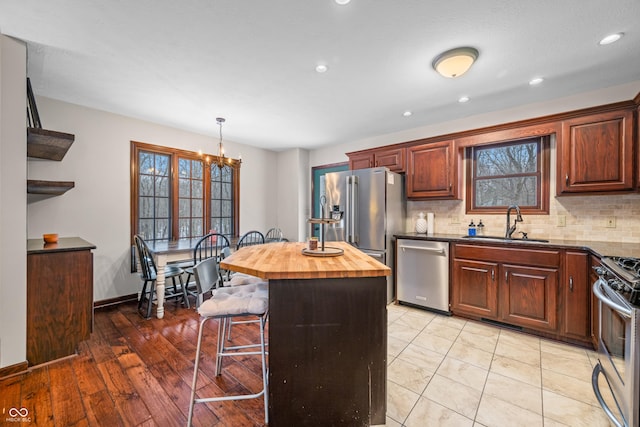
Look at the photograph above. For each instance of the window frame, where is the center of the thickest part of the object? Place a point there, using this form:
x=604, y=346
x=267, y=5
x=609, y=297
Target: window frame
x=174, y=154
x=543, y=171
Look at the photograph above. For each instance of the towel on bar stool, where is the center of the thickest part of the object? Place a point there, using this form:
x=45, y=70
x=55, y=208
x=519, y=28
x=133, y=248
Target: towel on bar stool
x=236, y=300
x=244, y=279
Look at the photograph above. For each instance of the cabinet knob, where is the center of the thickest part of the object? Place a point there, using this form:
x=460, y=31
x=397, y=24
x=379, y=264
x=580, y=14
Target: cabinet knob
x=506, y=276
x=571, y=283
x=493, y=275
x=566, y=179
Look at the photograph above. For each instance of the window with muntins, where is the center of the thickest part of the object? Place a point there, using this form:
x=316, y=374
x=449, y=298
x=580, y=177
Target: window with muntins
x=509, y=173
x=179, y=194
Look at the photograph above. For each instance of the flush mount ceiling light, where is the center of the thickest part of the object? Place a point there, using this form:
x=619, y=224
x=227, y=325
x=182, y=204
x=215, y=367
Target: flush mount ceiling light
x=455, y=62
x=321, y=68
x=342, y=2
x=407, y=113
x=535, y=81
x=463, y=99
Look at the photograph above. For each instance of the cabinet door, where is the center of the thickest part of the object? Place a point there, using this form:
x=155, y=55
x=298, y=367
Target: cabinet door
x=595, y=153
x=392, y=159
x=529, y=297
x=59, y=304
x=432, y=171
x=361, y=160
x=474, y=288
x=576, y=293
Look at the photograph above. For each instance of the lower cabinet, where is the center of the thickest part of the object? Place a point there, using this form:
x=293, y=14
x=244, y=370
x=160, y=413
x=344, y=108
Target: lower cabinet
x=545, y=290
x=576, y=296
x=529, y=297
x=474, y=290
x=59, y=301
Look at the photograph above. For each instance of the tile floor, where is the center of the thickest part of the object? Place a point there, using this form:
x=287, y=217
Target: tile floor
x=446, y=371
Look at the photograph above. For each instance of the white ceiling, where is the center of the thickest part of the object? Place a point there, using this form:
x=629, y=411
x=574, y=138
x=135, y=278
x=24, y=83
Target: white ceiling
x=183, y=63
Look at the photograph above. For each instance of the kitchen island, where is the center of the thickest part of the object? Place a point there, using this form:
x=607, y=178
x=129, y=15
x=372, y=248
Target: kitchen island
x=327, y=333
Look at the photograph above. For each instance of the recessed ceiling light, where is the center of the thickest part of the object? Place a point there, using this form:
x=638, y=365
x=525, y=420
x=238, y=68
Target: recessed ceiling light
x=463, y=99
x=611, y=38
x=536, y=81
x=321, y=68
x=407, y=113
x=342, y=2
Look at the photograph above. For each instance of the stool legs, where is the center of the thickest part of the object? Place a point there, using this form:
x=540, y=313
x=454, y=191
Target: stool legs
x=222, y=350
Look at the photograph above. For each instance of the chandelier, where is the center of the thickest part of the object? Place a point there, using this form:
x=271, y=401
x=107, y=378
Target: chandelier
x=219, y=161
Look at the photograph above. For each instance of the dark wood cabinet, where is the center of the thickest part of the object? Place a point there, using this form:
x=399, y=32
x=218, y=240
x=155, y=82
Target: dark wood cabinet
x=475, y=290
x=392, y=158
x=507, y=284
x=59, y=298
x=432, y=171
x=361, y=160
x=595, y=153
x=529, y=297
x=576, y=296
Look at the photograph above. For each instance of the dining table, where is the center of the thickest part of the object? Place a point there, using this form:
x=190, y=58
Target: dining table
x=165, y=252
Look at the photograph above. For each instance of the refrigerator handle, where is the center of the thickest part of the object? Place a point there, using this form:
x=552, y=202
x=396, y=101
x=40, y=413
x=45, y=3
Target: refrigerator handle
x=355, y=238
x=347, y=214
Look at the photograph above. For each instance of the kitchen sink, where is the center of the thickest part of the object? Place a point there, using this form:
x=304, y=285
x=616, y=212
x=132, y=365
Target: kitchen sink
x=504, y=239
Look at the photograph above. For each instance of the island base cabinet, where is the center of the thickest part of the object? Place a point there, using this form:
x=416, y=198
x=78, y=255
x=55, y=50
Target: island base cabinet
x=59, y=303
x=327, y=352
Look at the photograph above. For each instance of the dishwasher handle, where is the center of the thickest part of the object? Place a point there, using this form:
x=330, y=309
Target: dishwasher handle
x=419, y=248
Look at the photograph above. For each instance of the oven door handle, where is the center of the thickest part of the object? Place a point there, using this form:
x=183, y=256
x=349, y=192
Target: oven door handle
x=597, y=290
x=596, y=389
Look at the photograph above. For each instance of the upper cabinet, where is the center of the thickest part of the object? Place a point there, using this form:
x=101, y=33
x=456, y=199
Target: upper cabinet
x=392, y=158
x=595, y=153
x=432, y=171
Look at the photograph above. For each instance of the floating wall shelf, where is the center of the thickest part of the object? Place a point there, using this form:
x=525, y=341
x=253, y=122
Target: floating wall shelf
x=48, y=144
x=38, y=190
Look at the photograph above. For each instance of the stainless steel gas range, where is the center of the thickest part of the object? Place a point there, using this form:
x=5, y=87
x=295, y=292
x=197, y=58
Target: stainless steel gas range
x=618, y=293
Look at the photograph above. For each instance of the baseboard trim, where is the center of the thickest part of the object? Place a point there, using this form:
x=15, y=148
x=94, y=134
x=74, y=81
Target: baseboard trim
x=18, y=368
x=115, y=301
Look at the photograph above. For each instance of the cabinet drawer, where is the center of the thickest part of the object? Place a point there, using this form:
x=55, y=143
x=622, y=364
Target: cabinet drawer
x=536, y=257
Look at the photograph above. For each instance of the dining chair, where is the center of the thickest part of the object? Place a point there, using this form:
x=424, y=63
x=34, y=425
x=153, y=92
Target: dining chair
x=225, y=304
x=149, y=277
x=209, y=246
x=250, y=238
x=273, y=235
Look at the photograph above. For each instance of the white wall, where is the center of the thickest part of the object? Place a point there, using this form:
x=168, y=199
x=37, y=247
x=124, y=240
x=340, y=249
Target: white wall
x=98, y=208
x=13, y=202
x=291, y=193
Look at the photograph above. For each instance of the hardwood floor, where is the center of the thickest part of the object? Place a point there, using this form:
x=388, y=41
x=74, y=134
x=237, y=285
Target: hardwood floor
x=137, y=372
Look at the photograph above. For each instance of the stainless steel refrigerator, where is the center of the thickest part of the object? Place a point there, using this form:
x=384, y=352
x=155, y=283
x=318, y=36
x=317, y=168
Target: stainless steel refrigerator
x=371, y=208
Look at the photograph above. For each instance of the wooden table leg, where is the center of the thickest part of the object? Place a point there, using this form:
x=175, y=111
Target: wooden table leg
x=161, y=262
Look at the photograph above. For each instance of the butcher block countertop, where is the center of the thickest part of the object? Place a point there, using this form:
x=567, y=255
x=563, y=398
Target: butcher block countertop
x=284, y=260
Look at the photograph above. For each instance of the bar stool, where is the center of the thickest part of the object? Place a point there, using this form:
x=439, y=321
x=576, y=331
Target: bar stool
x=226, y=303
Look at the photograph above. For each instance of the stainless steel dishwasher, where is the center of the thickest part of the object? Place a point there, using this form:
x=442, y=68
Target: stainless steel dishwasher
x=422, y=274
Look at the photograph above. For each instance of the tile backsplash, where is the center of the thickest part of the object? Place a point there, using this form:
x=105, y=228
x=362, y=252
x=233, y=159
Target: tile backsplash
x=586, y=218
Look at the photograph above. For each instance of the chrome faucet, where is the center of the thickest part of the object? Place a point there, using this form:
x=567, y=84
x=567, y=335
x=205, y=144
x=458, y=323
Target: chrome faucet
x=512, y=228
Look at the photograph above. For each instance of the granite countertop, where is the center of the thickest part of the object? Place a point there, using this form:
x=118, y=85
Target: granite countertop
x=64, y=244
x=600, y=249
x=284, y=260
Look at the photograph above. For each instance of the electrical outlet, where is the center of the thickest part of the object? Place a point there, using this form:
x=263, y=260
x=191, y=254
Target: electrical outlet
x=455, y=219
x=611, y=222
x=562, y=221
